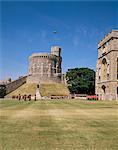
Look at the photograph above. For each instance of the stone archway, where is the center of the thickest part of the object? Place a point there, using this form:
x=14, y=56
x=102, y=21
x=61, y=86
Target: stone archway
x=103, y=88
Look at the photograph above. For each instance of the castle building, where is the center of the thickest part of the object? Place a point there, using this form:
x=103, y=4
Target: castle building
x=44, y=67
x=107, y=67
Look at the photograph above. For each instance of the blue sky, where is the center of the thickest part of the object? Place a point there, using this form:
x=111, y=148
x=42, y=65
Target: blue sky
x=27, y=27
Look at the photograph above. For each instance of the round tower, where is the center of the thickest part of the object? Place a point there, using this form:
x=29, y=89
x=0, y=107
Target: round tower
x=44, y=67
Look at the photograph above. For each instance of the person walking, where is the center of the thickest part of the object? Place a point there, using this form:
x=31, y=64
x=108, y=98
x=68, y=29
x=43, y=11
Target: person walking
x=35, y=97
x=19, y=97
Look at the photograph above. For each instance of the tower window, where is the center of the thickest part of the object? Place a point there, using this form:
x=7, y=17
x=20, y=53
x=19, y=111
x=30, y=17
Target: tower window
x=107, y=76
x=104, y=69
x=99, y=78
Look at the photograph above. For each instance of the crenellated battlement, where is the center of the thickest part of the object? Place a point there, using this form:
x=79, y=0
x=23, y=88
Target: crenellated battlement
x=111, y=35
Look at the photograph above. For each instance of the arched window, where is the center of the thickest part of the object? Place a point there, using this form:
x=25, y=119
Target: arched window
x=104, y=69
x=99, y=73
x=104, y=89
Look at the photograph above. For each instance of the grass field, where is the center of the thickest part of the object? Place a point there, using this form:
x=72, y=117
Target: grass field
x=58, y=125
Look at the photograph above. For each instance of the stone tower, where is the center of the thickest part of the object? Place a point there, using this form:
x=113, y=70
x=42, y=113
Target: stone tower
x=107, y=67
x=44, y=67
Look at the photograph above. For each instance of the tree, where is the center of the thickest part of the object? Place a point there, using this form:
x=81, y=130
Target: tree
x=2, y=91
x=81, y=80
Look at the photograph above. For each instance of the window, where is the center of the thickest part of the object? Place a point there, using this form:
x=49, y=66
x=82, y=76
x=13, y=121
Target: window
x=99, y=73
x=104, y=69
x=108, y=67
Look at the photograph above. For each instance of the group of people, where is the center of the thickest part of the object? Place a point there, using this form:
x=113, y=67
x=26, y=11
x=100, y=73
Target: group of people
x=23, y=97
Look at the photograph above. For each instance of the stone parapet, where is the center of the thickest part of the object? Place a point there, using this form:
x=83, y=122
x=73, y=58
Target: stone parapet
x=39, y=55
x=112, y=34
x=15, y=84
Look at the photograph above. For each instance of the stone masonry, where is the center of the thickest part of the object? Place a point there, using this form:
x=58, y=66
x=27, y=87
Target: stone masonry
x=13, y=85
x=44, y=67
x=107, y=67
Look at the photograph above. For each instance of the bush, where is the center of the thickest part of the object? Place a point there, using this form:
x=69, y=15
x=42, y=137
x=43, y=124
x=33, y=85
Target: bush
x=2, y=91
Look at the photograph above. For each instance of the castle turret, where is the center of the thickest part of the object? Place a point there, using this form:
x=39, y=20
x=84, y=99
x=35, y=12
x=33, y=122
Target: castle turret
x=56, y=50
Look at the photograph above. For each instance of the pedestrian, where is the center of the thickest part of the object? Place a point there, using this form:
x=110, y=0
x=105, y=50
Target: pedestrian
x=35, y=97
x=19, y=97
x=29, y=96
x=25, y=97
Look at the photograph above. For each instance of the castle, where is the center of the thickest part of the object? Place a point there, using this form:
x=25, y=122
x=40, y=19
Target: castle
x=44, y=67
x=107, y=67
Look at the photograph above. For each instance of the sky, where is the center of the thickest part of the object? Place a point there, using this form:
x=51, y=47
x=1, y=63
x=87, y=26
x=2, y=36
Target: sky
x=27, y=27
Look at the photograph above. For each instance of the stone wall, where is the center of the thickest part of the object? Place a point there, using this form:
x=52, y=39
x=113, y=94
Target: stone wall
x=15, y=84
x=43, y=79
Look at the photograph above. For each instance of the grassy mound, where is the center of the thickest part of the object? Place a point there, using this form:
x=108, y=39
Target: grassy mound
x=47, y=89
x=54, y=89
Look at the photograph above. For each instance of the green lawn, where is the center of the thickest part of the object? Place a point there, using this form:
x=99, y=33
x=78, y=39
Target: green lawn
x=58, y=125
